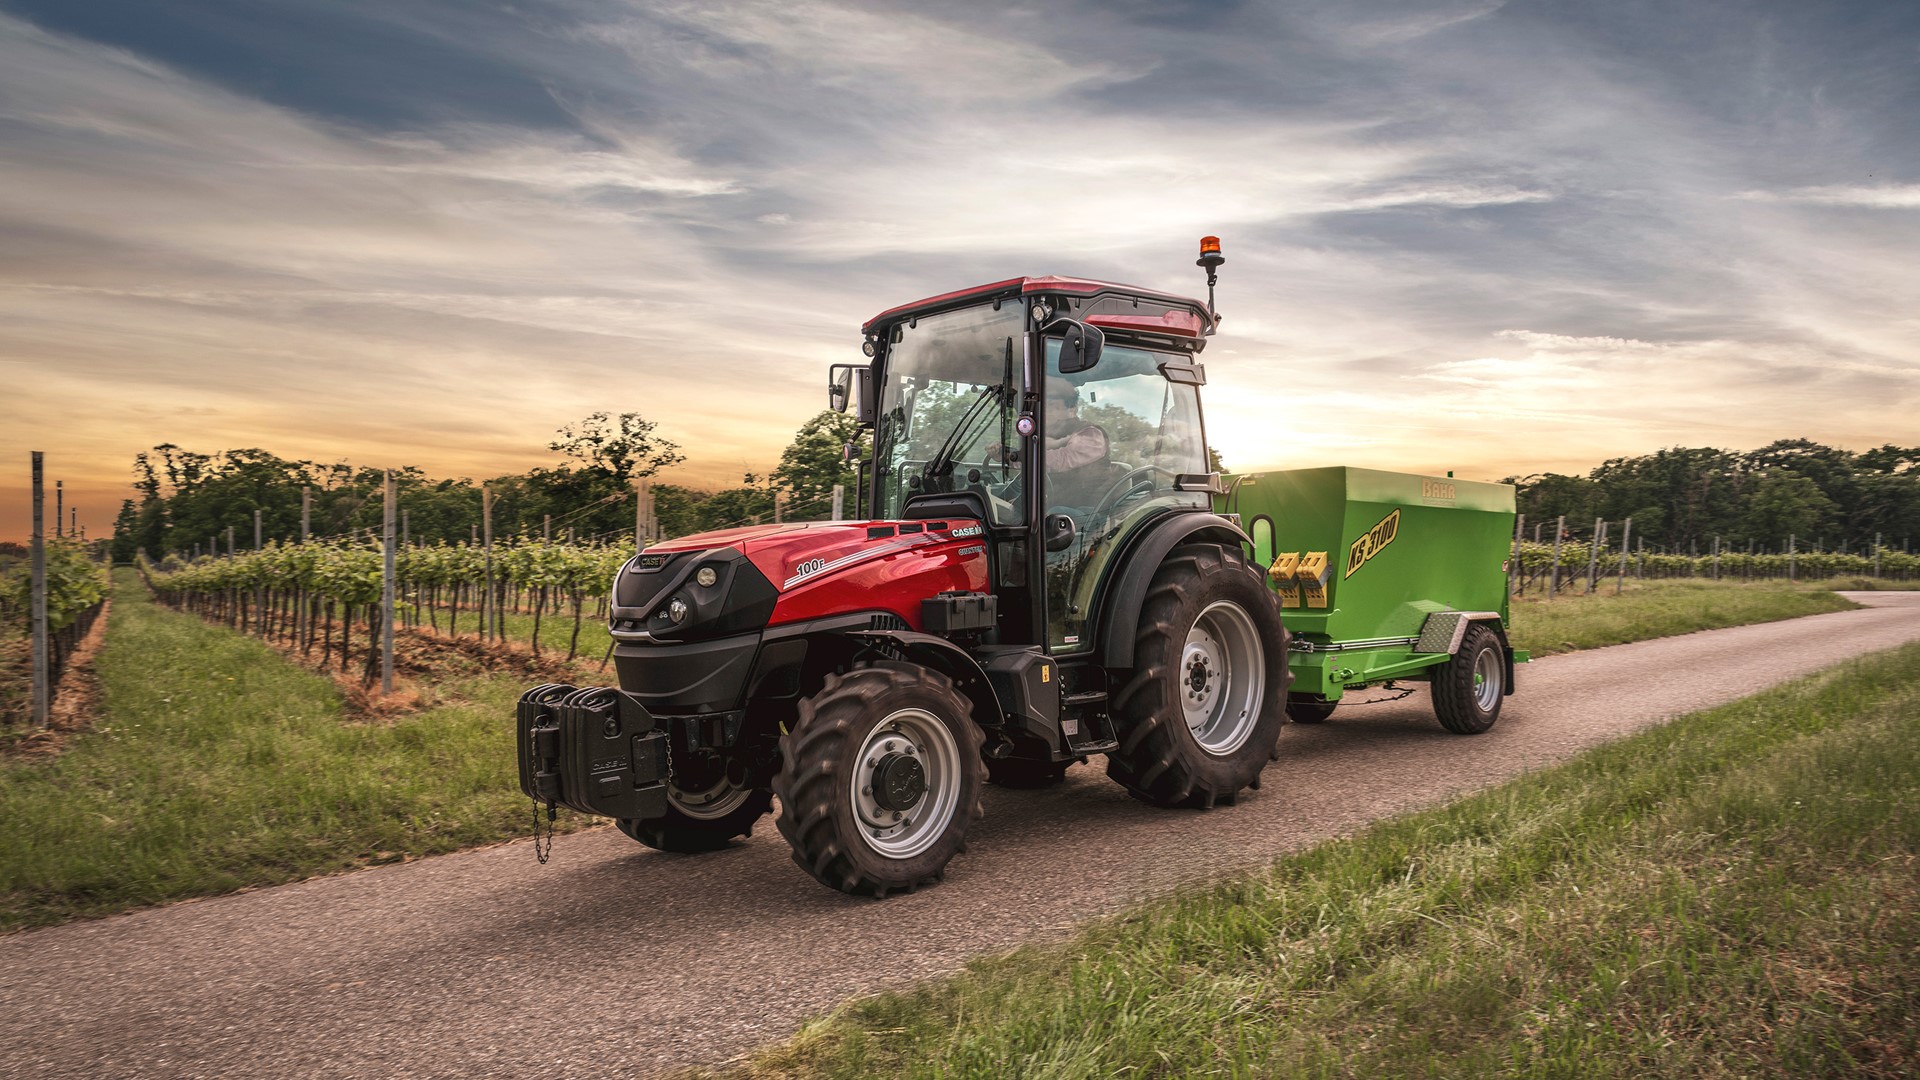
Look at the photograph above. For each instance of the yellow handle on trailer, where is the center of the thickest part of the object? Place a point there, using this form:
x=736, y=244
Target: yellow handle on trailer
x=1312, y=574
x=1281, y=575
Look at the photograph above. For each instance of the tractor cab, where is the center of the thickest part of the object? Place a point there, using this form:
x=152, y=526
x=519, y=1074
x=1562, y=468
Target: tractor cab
x=1061, y=413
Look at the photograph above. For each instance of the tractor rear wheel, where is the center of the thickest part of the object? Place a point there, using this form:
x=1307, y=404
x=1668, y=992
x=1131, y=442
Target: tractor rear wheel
x=1200, y=715
x=880, y=778
x=705, y=810
x=1016, y=772
x=1468, y=689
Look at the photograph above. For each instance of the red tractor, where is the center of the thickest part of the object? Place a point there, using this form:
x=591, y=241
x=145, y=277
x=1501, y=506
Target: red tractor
x=1037, y=576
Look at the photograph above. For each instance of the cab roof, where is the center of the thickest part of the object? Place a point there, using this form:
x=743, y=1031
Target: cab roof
x=1029, y=286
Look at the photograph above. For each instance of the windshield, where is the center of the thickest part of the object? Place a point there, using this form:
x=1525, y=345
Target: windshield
x=948, y=402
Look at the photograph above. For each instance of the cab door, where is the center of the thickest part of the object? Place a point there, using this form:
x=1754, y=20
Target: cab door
x=1114, y=441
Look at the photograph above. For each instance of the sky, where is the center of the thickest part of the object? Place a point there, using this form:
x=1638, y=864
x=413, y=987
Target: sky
x=1497, y=238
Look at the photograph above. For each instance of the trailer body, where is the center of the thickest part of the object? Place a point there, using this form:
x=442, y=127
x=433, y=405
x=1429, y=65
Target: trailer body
x=1378, y=573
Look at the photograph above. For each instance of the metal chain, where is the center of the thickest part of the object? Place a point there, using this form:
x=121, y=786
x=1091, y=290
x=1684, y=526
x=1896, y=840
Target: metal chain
x=668, y=744
x=1404, y=692
x=543, y=851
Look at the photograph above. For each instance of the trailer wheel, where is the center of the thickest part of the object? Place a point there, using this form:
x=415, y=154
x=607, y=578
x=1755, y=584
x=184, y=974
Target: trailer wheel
x=1200, y=716
x=705, y=811
x=1468, y=689
x=1308, y=710
x=1014, y=772
x=880, y=778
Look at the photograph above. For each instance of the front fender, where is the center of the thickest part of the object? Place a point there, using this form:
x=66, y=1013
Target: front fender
x=950, y=660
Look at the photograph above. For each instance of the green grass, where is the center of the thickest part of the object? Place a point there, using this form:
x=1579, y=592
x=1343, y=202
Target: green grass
x=1655, y=609
x=555, y=631
x=1733, y=894
x=220, y=765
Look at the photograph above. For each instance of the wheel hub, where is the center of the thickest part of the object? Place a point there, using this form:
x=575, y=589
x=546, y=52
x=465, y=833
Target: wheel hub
x=906, y=783
x=1203, y=671
x=899, y=781
x=1222, y=678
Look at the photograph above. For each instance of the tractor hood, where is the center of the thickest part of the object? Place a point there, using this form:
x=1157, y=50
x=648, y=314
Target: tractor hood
x=770, y=575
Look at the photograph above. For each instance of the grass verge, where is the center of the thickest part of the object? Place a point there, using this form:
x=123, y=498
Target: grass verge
x=1733, y=894
x=218, y=764
x=1655, y=609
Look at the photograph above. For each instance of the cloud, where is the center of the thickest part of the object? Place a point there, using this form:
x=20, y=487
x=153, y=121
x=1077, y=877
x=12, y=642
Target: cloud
x=1398, y=29
x=705, y=201
x=1884, y=197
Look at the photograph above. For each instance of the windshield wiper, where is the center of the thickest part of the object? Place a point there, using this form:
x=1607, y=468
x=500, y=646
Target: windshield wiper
x=942, y=461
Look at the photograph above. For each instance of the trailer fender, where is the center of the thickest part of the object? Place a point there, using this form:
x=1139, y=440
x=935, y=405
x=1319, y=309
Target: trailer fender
x=950, y=660
x=1134, y=569
x=1443, y=630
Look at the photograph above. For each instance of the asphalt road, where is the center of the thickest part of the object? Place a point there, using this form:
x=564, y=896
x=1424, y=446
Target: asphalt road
x=617, y=960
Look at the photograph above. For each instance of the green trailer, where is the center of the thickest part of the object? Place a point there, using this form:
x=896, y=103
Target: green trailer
x=1387, y=576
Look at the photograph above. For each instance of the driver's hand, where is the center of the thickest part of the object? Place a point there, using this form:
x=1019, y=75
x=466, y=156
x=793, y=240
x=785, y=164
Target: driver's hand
x=1000, y=453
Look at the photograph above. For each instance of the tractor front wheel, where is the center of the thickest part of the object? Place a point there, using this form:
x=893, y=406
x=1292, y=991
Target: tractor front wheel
x=880, y=778
x=1200, y=715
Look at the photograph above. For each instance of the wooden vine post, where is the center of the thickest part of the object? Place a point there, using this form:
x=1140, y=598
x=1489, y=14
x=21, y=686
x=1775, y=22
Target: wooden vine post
x=386, y=586
x=42, y=690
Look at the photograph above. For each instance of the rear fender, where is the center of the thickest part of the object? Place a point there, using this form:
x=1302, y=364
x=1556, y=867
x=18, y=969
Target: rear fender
x=1133, y=571
x=1443, y=631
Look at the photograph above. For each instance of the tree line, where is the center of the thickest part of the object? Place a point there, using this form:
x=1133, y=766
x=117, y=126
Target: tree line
x=1680, y=499
x=188, y=500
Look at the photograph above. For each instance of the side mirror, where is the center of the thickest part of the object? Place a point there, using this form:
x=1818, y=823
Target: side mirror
x=1080, y=344
x=839, y=381
x=851, y=382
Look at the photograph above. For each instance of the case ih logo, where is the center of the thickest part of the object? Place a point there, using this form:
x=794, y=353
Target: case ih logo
x=647, y=564
x=1372, y=541
x=966, y=530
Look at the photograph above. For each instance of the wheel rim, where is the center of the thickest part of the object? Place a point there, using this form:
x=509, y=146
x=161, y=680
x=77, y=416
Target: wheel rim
x=1223, y=678
x=1487, y=675
x=706, y=803
x=906, y=783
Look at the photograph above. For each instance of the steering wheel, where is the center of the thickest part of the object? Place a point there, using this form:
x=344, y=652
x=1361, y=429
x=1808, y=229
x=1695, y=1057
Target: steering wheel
x=1127, y=486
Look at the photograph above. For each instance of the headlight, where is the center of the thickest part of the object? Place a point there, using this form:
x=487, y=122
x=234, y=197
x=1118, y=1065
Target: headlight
x=706, y=576
x=677, y=610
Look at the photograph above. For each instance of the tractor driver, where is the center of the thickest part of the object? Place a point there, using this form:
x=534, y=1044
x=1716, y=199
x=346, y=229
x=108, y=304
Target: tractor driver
x=1077, y=450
